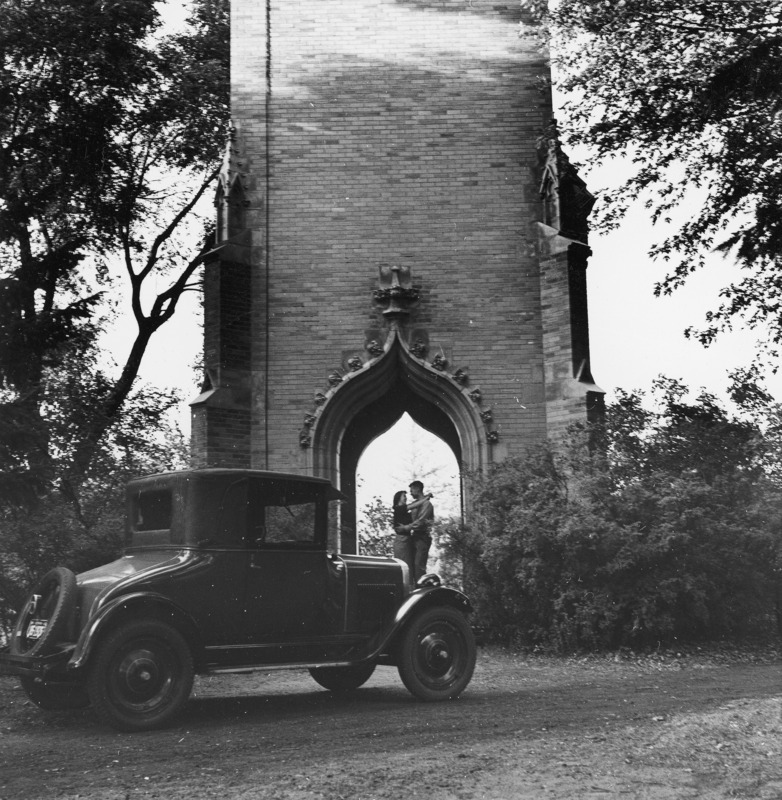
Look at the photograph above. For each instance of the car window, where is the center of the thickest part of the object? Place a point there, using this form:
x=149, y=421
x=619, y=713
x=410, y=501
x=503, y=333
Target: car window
x=285, y=513
x=290, y=524
x=152, y=510
x=150, y=518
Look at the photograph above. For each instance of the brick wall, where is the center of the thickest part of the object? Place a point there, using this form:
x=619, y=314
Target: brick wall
x=400, y=132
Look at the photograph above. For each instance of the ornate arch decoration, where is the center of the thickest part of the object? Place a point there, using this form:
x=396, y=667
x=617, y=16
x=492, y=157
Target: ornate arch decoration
x=378, y=376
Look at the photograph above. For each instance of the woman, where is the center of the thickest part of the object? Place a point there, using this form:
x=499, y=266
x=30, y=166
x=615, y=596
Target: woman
x=401, y=512
x=401, y=508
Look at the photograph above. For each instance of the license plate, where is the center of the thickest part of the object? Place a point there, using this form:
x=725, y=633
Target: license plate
x=36, y=628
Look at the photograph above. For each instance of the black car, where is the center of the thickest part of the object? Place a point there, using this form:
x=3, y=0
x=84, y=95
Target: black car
x=226, y=570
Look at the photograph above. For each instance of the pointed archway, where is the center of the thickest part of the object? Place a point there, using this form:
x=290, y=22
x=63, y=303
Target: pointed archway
x=371, y=400
x=403, y=453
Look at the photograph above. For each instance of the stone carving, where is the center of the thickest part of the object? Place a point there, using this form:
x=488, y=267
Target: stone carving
x=396, y=293
x=461, y=377
x=440, y=362
x=374, y=348
x=355, y=363
x=231, y=198
x=566, y=201
x=419, y=348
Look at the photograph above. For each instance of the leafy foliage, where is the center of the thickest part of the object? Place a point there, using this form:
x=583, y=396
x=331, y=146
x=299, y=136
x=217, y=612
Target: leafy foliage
x=659, y=525
x=105, y=151
x=84, y=530
x=110, y=133
x=375, y=533
x=689, y=93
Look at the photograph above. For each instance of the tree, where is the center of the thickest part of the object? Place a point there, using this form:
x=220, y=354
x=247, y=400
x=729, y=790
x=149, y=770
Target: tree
x=658, y=525
x=375, y=537
x=83, y=535
x=689, y=93
x=105, y=150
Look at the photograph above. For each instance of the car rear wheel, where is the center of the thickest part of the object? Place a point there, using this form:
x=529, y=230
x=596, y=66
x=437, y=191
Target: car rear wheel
x=141, y=676
x=343, y=679
x=437, y=654
x=55, y=696
x=46, y=616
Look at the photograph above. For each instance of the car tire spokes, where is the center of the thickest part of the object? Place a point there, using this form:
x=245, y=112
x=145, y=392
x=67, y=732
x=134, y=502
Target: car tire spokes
x=141, y=675
x=437, y=654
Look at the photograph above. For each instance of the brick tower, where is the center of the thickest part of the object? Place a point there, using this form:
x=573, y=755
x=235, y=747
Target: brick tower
x=398, y=231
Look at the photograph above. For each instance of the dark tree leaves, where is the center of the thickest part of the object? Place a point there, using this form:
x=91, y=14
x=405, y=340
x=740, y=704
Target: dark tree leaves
x=688, y=92
x=110, y=132
x=661, y=526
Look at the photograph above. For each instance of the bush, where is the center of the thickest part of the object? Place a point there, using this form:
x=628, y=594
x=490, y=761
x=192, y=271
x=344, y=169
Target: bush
x=376, y=534
x=652, y=527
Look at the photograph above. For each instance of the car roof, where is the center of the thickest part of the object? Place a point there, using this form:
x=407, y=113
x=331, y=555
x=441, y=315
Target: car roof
x=229, y=473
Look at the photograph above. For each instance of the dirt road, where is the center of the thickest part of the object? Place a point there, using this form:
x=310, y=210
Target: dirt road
x=527, y=727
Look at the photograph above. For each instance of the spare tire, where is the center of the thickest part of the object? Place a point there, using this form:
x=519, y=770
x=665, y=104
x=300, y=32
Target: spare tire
x=46, y=616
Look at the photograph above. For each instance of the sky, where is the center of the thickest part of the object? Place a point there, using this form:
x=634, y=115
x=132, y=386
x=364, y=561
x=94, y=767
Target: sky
x=635, y=336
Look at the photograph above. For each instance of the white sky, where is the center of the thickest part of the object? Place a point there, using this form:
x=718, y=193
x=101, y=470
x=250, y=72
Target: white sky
x=635, y=336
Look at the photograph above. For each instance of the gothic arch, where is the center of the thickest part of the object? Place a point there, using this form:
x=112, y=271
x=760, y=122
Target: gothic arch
x=368, y=402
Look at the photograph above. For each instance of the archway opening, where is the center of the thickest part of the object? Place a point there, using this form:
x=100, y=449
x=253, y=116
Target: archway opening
x=374, y=420
x=371, y=401
x=405, y=452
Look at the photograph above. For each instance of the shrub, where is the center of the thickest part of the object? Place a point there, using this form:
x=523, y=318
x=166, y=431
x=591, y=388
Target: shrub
x=652, y=527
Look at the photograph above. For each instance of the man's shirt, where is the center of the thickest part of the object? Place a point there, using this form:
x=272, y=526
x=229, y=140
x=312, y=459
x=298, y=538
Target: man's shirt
x=422, y=518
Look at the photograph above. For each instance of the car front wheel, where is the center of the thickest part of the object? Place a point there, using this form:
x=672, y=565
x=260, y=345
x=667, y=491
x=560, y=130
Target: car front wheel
x=141, y=676
x=437, y=654
x=343, y=679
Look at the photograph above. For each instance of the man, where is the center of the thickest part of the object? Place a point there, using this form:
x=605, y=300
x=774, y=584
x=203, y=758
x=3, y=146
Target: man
x=419, y=529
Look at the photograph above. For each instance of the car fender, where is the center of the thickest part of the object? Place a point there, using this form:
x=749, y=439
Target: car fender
x=124, y=606
x=431, y=596
x=422, y=599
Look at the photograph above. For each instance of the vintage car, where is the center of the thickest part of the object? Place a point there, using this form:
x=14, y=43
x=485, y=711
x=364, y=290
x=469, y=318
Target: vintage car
x=227, y=570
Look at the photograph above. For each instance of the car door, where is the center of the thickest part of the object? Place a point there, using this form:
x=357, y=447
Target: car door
x=217, y=529
x=293, y=597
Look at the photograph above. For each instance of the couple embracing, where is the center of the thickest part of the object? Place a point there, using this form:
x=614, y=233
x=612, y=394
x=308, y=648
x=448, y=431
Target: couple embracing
x=412, y=528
